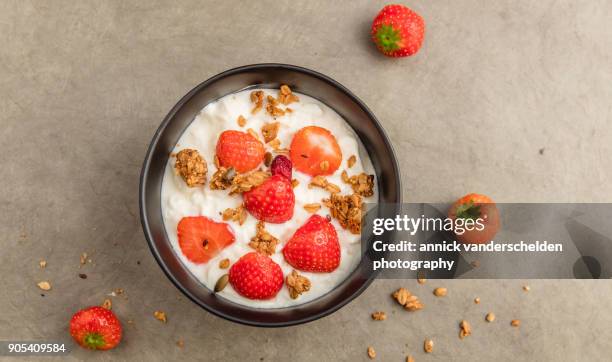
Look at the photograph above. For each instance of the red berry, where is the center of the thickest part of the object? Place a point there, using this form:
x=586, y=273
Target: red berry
x=398, y=31
x=272, y=201
x=315, y=151
x=95, y=328
x=281, y=165
x=314, y=247
x=201, y=239
x=239, y=150
x=256, y=276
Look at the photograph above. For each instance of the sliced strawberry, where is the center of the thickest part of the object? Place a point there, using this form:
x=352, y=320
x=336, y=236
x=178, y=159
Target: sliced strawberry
x=314, y=247
x=201, y=239
x=256, y=276
x=95, y=328
x=315, y=151
x=239, y=150
x=272, y=201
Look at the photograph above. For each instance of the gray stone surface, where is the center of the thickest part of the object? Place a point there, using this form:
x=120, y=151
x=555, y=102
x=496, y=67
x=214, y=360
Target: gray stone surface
x=84, y=85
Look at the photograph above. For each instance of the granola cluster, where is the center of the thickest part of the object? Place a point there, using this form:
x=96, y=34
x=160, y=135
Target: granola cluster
x=363, y=184
x=222, y=178
x=285, y=96
x=257, y=97
x=237, y=214
x=347, y=209
x=191, y=166
x=270, y=131
x=273, y=108
x=297, y=284
x=247, y=181
x=263, y=241
x=409, y=301
x=322, y=182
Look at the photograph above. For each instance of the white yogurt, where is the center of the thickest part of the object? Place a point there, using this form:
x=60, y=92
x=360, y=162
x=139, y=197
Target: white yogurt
x=179, y=201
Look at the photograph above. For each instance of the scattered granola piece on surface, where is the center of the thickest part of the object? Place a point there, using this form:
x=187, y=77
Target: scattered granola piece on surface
x=83, y=258
x=347, y=209
x=490, y=317
x=160, y=316
x=475, y=264
x=421, y=277
x=409, y=301
x=515, y=323
x=42, y=263
x=270, y=131
x=371, y=352
x=297, y=284
x=465, y=329
x=312, y=208
x=526, y=288
x=428, y=345
x=180, y=343
x=263, y=241
x=410, y=358
x=477, y=300
x=108, y=304
x=237, y=214
x=440, y=292
x=224, y=263
x=44, y=285
x=379, y=316
x=191, y=166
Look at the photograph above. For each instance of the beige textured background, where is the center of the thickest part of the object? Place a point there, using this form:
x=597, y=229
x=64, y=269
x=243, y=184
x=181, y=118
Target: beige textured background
x=84, y=84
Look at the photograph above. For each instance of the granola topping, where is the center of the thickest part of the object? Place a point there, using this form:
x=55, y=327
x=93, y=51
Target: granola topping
x=257, y=97
x=241, y=121
x=224, y=263
x=285, y=96
x=222, y=178
x=347, y=209
x=297, y=284
x=363, y=184
x=238, y=214
x=246, y=182
x=270, y=131
x=351, y=161
x=321, y=181
x=191, y=166
x=409, y=301
x=263, y=241
x=312, y=208
x=272, y=107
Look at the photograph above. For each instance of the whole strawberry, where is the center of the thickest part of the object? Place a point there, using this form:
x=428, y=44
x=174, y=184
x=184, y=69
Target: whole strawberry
x=96, y=328
x=256, y=276
x=272, y=201
x=314, y=247
x=398, y=31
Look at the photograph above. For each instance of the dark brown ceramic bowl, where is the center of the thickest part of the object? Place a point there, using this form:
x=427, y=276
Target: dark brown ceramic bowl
x=303, y=81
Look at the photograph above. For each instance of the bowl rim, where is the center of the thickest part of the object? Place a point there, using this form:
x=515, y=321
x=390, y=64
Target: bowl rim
x=149, y=156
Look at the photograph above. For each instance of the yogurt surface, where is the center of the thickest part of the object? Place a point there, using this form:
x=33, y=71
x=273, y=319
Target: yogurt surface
x=179, y=200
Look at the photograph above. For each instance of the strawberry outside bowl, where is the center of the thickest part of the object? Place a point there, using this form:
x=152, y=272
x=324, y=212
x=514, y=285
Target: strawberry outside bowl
x=302, y=80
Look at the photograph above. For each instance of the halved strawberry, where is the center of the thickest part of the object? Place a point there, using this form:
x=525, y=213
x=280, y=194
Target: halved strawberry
x=239, y=150
x=314, y=247
x=315, y=151
x=201, y=239
x=256, y=276
x=272, y=201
